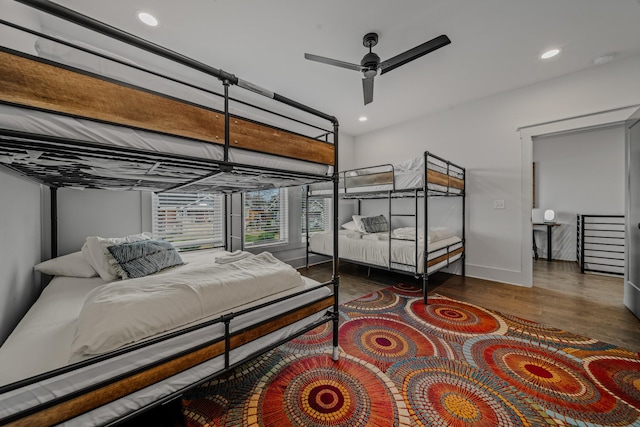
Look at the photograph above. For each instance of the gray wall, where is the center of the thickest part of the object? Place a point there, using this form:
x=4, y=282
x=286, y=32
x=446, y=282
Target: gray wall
x=20, y=248
x=100, y=213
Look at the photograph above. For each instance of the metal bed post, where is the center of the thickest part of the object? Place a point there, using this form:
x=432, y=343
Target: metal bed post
x=227, y=142
x=54, y=221
x=464, y=241
x=389, y=245
x=425, y=189
x=242, y=221
x=336, y=274
x=416, y=242
x=227, y=219
x=306, y=216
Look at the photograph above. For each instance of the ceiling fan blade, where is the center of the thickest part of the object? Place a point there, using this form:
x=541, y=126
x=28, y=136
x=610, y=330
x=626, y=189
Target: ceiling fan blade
x=415, y=53
x=367, y=88
x=329, y=61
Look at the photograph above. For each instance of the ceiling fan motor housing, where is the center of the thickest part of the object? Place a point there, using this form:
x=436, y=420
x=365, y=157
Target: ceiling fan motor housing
x=370, y=62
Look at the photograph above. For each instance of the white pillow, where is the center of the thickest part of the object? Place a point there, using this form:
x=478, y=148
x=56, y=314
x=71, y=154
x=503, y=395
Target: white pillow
x=439, y=233
x=94, y=252
x=71, y=265
x=357, y=219
x=350, y=226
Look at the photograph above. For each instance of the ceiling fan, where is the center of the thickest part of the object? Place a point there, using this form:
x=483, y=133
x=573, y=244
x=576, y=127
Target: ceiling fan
x=371, y=62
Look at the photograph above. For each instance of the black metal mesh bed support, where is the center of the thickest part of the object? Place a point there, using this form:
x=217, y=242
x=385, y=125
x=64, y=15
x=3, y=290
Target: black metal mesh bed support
x=70, y=160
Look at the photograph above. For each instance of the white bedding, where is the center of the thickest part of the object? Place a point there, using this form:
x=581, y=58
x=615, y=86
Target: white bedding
x=123, y=312
x=407, y=175
x=374, y=249
x=51, y=321
x=43, y=123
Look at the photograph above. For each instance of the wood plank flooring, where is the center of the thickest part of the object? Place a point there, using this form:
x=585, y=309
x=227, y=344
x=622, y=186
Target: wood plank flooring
x=562, y=297
x=589, y=305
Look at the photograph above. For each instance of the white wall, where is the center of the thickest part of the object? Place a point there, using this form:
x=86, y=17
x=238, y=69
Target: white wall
x=482, y=136
x=578, y=172
x=100, y=213
x=20, y=244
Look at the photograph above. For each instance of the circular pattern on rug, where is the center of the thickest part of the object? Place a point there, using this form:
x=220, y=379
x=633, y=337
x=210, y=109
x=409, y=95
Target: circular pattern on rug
x=407, y=290
x=383, y=342
x=315, y=341
x=619, y=375
x=383, y=299
x=443, y=392
x=527, y=329
x=316, y=391
x=204, y=412
x=455, y=317
x=552, y=378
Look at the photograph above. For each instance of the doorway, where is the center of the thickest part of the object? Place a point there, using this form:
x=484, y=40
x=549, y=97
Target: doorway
x=559, y=127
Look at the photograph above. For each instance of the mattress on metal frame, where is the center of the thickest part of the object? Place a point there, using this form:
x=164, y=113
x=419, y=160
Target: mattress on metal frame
x=376, y=252
x=26, y=397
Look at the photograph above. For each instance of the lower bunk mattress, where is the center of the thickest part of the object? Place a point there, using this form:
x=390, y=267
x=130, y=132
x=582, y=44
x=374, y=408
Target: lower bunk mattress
x=43, y=342
x=373, y=249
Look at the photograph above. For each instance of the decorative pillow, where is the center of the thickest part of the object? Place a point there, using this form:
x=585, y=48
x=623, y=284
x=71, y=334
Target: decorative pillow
x=357, y=219
x=350, y=226
x=71, y=265
x=375, y=224
x=95, y=252
x=139, y=259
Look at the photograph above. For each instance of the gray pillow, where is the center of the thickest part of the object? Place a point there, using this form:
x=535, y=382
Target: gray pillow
x=375, y=224
x=138, y=259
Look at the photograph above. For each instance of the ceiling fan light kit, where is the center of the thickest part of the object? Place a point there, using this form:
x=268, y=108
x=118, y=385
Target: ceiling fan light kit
x=370, y=63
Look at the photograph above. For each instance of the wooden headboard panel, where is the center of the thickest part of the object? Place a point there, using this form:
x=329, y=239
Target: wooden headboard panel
x=33, y=83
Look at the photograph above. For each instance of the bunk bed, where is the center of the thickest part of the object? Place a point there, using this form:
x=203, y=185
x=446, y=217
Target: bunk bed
x=398, y=249
x=67, y=122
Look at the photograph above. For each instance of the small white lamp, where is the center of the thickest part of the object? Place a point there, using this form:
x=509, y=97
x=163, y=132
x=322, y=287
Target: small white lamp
x=549, y=215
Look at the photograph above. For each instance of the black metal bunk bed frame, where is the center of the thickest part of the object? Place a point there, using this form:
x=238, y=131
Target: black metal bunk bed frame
x=65, y=147
x=416, y=193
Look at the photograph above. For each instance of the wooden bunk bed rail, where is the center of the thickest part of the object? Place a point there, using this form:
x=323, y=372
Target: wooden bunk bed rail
x=440, y=178
x=36, y=84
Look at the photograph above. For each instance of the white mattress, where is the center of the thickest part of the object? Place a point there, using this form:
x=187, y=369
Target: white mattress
x=376, y=252
x=409, y=175
x=50, y=324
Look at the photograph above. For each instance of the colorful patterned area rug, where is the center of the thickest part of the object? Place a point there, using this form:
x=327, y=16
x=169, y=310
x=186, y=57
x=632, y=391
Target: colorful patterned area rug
x=448, y=363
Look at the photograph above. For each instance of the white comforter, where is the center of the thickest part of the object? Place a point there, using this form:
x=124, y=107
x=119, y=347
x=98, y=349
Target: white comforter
x=120, y=313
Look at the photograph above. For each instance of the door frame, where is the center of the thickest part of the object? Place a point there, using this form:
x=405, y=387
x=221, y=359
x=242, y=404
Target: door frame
x=631, y=290
x=527, y=133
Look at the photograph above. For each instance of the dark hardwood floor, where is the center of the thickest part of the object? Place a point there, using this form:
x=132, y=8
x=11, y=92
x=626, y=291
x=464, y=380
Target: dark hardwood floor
x=561, y=297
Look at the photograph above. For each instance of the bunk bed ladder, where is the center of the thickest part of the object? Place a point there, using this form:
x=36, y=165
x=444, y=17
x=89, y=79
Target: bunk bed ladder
x=413, y=215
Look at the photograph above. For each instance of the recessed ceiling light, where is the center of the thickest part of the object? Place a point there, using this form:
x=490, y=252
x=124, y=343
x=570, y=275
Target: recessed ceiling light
x=148, y=19
x=550, y=54
x=363, y=118
x=603, y=59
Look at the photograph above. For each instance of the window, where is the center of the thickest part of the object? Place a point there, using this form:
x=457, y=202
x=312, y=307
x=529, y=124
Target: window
x=189, y=221
x=319, y=214
x=265, y=217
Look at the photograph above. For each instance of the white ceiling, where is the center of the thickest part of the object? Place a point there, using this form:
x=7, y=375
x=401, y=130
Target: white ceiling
x=495, y=45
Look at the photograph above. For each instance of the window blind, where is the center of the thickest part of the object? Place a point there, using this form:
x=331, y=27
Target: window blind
x=266, y=217
x=319, y=212
x=189, y=221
